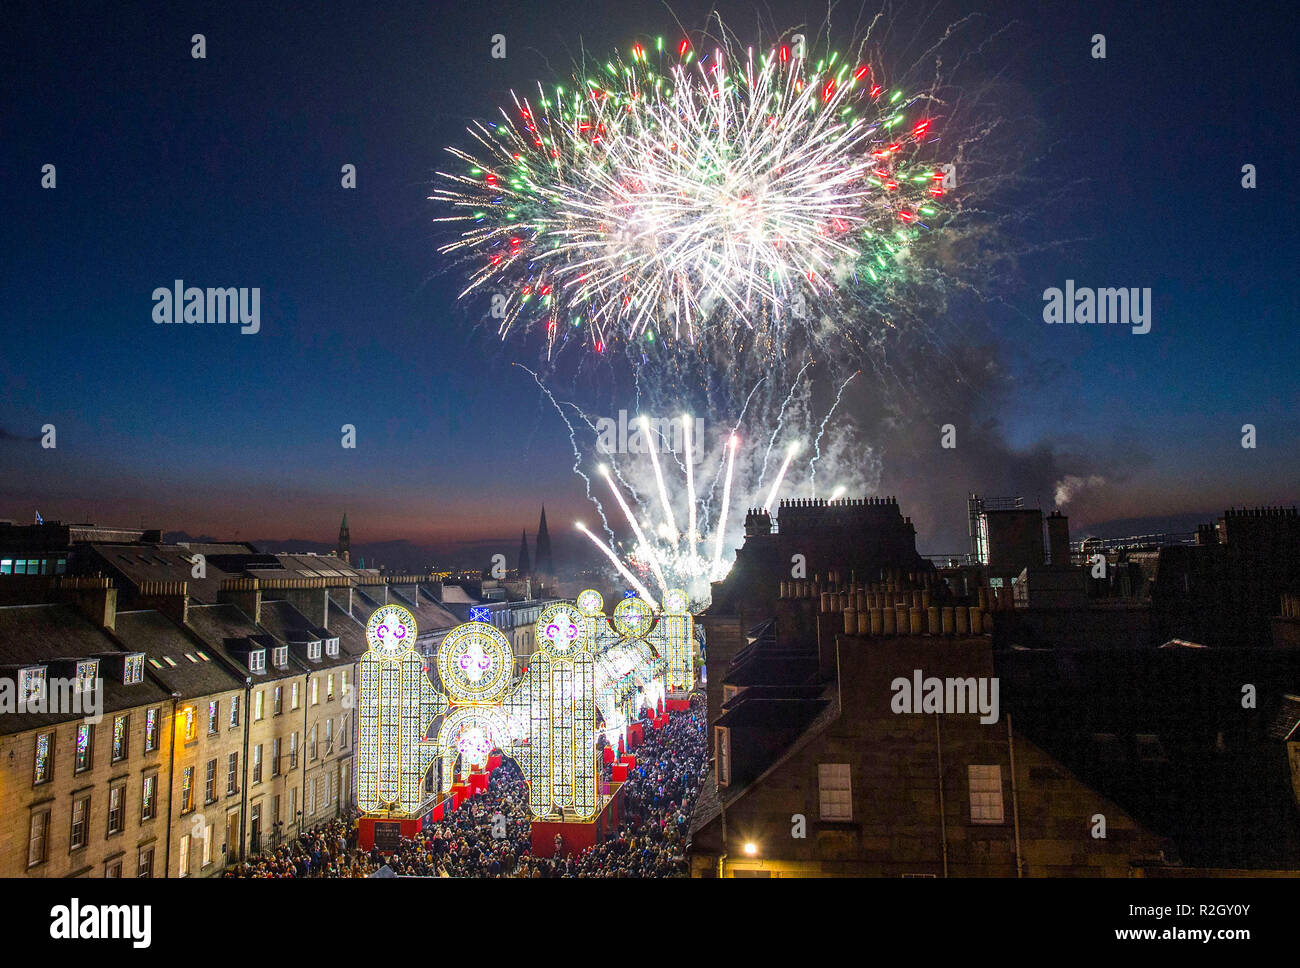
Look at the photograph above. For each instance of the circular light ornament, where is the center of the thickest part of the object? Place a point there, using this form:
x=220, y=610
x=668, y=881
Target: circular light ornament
x=474, y=662
x=591, y=603
x=561, y=629
x=676, y=602
x=474, y=744
x=391, y=631
x=632, y=618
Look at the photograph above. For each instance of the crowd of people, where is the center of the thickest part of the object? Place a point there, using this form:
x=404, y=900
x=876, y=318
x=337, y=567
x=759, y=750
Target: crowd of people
x=490, y=835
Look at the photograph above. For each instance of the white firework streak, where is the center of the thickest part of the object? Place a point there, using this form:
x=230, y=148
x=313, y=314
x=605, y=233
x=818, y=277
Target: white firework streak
x=817, y=443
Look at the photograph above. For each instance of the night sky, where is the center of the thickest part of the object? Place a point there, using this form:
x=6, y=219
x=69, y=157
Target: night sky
x=225, y=172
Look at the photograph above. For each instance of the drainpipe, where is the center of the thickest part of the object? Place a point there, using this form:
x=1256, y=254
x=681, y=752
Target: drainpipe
x=1015, y=803
x=171, y=789
x=243, y=799
x=306, y=705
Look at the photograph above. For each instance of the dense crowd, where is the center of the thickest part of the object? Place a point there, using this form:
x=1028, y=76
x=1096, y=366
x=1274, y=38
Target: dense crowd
x=489, y=835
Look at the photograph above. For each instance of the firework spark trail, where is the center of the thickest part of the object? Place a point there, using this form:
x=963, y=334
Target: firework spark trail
x=659, y=480
x=776, y=485
x=726, y=501
x=636, y=529
x=573, y=442
x=812, y=466
x=622, y=569
x=780, y=419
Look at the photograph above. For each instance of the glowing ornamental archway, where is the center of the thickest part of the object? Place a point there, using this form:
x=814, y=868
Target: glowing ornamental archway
x=474, y=662
x=674, y=637
x=397, y=705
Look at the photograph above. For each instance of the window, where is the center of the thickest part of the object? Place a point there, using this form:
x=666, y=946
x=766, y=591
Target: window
x=835, y=790
x=133, y=671
x=187, y=790
x=329, y=687
x=309, y=805
x=113, y=868
x=329, y=736
x=80, y=816
x=724, y=755
x=151, y=730
x=344, y=732
x=147, y=794
x=332, y=647
x=293, y=750
x=257, y=763
x=210, y=782
x=38, y=838
x=1149, y=748
x=190, y=728
x=207, y=845
x=293, y=804
x=44, y=766
x=121, y=733
x=986, y=794
x=259, y=705
x=313, y=651
x=84, y=756
x=312, y=745
x=87, y=673
x=185, y=855
x=277, y=704
x=232, y=774
x=315, y=690
x=280, y=656
x=116, y=800
x=275, y=756
x=33, y=683
x=144, y=866
x=214, y=714
x=293, y=696
x=257, y=660
x=234, y=712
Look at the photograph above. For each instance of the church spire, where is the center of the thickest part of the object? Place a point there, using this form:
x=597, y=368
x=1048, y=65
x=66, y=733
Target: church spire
x=525, y=567
x=543, y=565
x=345, y=540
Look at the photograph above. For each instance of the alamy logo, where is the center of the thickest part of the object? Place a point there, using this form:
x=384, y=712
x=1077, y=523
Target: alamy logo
x=1122, y=307
x=953, y=695
x=75, y=922
x=644, y=434
x=212, y=305
x=75, y=697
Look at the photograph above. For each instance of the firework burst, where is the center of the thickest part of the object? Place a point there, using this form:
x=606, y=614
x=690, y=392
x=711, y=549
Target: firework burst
x=675, y=198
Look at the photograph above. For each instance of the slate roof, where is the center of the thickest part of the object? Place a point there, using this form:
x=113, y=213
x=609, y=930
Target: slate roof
x=159, y=638
x=36, y=635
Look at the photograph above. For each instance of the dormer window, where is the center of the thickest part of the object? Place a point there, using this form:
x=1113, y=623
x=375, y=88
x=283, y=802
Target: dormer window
x=332, y=647
x=257, y=660
x=280, y=656
x=313, y=650
x=33, y=682
x=133, y=669
x=87, y=673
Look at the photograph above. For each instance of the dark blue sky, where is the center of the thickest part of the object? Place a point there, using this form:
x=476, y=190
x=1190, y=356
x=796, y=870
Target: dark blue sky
x=225, y=172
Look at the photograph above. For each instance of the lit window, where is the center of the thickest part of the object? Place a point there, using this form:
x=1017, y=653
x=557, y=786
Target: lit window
x=84, y=757
x=133, y=671
x=189, y=723
x=147, y=793
x=329, y=687
x=121, y=734
x=44, y=768
x=151, y=730
x=257, y=763
x=293, y=696
x=232, y=774
x=986, y=794
x=214, y=713
x=835, y=790
x=277, y=705
x=187, y=790
x=33, y=680
x=234, y=712
x=259, y=705
x=185, y=856
x=315, y=691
